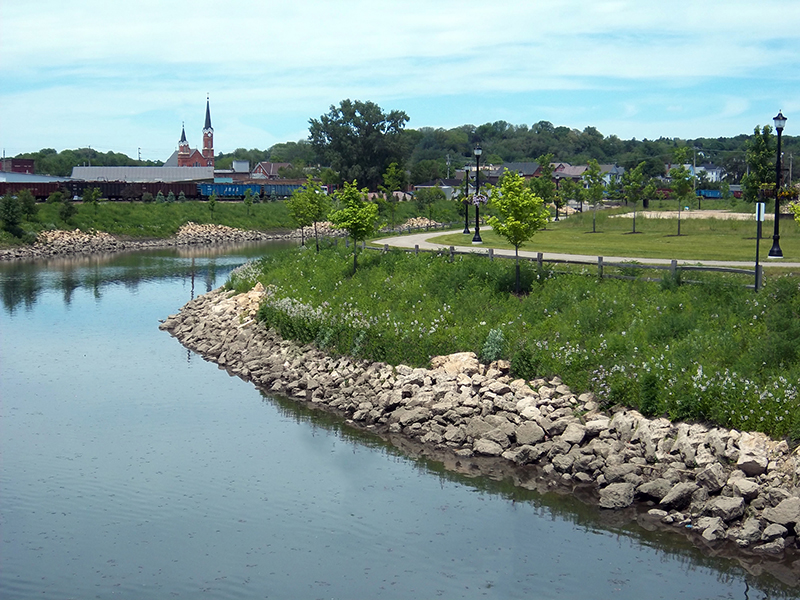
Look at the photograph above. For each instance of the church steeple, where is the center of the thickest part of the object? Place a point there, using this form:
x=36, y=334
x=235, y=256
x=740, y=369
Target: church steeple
x=183, y=149
x=208, y=137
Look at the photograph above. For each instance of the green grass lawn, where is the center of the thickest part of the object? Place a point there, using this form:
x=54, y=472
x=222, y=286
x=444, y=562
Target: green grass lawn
x=701, y=239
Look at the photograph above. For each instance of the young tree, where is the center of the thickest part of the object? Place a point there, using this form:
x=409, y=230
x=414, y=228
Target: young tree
x=682, y=180
x=595, y=186
x=212, y=203
x=67, y=208
x=91, y=196
x=28, y=202
x=358, y=216
x=760, y=157
x=633, y=187
x=248, y=200
x=570, y=190
x=360, y=140
x=394, y=180
x=160, y=199
x=11, y=213
x=170, y=197
x=307, y=206
x=543, y=185
x=523, y=213
x=181, y=197
x=426, y=199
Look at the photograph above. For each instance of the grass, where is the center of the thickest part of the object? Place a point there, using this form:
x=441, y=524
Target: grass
x=701, y=239
x=713, y=352
x=156, y=220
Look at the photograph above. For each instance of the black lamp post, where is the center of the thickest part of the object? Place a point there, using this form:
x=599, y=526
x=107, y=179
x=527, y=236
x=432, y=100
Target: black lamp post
x=775, y=251
x=466, y=201
x=476, y=239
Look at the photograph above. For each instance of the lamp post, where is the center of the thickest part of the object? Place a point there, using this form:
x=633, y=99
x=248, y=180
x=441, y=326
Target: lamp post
x=466, y=201
x=476, y=239
x=775, y=251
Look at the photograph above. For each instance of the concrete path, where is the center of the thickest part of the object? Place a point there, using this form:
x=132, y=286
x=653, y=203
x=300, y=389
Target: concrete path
x=421, y=240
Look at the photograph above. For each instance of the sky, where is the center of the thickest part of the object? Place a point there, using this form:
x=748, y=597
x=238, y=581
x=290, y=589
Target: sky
x=124, y=76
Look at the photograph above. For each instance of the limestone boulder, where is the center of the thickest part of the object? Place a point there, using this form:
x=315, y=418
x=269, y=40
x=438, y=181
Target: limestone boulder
x=617, y=495
x=786, y=513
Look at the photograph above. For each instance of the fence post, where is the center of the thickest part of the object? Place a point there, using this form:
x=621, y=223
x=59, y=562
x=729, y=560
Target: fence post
x=347, y=242
x=363, y=244
x=600, y=267
x=385, y=248
x=452, y=253
x=491, y=254
x=673, y=267
x=416, y=249
x=539, y=257
x=759, y=277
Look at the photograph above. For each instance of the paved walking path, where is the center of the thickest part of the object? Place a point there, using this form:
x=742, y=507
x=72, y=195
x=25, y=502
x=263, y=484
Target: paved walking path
x=421, y=240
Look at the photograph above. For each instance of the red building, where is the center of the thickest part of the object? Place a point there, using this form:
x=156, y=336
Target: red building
x=192, y=157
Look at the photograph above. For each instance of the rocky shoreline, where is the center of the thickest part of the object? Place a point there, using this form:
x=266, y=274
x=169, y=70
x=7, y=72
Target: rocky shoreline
x=50, y=244
x=73, y=243
x=733, y=493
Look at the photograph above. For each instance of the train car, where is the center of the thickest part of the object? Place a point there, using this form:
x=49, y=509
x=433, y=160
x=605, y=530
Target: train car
x=227, y=191
x=281, y=190
x=40, y=190
x=708, y=193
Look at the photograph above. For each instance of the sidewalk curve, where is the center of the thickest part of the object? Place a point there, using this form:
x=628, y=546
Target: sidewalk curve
x=421, y=240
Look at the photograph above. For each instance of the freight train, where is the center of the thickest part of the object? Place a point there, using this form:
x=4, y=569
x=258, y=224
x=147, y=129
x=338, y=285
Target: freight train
x=121, y=190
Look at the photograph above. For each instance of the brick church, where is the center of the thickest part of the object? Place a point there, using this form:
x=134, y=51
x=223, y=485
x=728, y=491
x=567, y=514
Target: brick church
x=192, y=157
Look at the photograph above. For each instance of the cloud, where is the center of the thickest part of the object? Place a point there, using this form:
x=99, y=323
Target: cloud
x=96, y=69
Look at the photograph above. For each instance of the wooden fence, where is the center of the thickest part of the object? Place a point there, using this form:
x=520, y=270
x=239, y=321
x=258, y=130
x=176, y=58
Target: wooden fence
x=757, y=273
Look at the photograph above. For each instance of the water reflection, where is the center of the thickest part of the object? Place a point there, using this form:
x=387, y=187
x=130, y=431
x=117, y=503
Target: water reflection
x=23, y=282
x=776, y=578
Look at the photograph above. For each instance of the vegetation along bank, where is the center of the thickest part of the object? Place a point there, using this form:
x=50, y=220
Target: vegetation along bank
x=676, y=394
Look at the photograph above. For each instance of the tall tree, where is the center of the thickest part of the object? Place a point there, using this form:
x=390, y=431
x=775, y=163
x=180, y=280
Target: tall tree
x=359, y=140
x=357, y=215
x=308, y=206
x=523, y=213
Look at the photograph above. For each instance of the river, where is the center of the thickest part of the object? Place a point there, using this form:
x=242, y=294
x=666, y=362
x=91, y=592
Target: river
x=131, y=468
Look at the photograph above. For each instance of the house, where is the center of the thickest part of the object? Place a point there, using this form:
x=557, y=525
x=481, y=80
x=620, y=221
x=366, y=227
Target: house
x=268, y=170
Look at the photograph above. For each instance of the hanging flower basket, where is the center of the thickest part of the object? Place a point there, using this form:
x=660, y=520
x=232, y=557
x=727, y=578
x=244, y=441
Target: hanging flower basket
x=479, y=199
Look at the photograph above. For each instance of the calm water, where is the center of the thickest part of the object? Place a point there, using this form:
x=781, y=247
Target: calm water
x=132, y=468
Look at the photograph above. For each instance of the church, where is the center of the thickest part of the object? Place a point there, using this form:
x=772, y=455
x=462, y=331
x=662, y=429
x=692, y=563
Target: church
x=192, y=157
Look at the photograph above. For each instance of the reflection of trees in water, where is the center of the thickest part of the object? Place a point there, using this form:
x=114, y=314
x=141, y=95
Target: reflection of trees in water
x=21, y=283
x=18, y=286
x=489, y=476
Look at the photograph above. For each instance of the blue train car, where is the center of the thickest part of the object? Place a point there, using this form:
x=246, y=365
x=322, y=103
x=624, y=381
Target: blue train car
x=709, y=193
x=227, y=190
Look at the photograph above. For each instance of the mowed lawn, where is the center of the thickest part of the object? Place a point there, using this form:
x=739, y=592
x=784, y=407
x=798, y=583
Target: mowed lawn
x=700, y=239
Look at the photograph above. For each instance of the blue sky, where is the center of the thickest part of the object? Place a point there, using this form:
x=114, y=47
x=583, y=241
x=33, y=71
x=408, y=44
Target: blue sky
x=123, y=76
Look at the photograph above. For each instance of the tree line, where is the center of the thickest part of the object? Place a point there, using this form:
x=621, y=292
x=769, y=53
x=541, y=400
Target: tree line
x=359, y=140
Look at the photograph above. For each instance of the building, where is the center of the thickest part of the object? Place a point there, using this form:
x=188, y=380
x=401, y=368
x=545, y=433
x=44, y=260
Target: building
x=17, y=165
x=192, y=157
x=268, y=170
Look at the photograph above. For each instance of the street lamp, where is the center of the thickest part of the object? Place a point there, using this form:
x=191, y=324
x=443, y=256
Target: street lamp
x=466, y=201
x=775, y=251
x=476, y=239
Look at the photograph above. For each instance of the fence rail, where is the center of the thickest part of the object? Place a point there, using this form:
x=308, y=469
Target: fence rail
x=757, y=273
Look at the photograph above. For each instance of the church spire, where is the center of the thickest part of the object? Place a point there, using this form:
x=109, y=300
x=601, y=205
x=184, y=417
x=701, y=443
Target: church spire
x=208, y=116
x=208, y=137
x=183, y=133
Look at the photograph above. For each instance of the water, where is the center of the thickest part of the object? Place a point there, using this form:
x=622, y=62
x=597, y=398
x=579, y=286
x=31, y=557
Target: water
x=131, y=468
